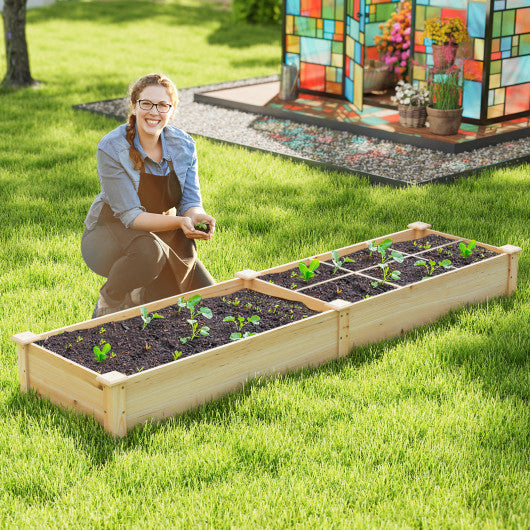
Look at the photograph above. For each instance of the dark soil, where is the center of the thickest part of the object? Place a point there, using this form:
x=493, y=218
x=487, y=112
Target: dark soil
x=138, y=350
x=422, y=244
x=453, y=253
x=410, y=273
x=200, y=229
x=363, y=260
x=351, y=288
x=286, y=278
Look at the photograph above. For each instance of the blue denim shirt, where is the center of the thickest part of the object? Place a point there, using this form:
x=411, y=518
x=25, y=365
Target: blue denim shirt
x=119, y=180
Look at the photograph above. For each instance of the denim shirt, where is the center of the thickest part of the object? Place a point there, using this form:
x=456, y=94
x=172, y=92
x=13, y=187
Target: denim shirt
x=119, y=180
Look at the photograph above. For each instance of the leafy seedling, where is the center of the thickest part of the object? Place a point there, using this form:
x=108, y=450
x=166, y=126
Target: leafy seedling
x=146, y=318
x=204, y=331
x=339, y=262
x=387, y=275
x=306, y=273
x=240, y=322
x=176, y=354
x=79, y=338
x=467, y=250
x=202, y=226
x=192, y=303
x=101, y=354
x=431, y=266
x=238, y=335
x=382, y=249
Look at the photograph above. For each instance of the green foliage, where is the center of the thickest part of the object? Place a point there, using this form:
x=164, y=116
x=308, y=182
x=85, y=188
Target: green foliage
x=257, y=11
x=431, y=266
x=337, y=262
x=100, y=354
x=467, y=250
x=240, y=322
x=146, y=318
x=306, y=273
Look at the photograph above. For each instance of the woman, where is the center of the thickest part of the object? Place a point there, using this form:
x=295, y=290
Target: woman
x=140, y=230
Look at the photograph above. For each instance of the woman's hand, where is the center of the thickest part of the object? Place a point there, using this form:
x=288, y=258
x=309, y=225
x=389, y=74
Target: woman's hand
x=197, y=215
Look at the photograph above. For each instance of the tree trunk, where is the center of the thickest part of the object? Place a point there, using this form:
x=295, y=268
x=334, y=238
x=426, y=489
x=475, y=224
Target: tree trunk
x=17, y=60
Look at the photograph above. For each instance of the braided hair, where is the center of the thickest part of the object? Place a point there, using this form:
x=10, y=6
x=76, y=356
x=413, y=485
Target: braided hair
x=134, y=93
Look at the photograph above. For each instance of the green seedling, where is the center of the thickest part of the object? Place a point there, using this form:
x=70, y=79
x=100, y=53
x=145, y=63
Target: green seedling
x=467, y=250
x=146, y=318
x=425, y=246
x=431, y=266
x=387, y=275
x=101, y=354
x=237, y=335
x=382, y=248
x=192, y=303
x=339, y=262
x=294, y=286
x=306, y=273
x=181, y=304
x=102, y=330
x=240, y=322
x=195, y=331
x=176, y=354
x=201, y=225
x=79, y=338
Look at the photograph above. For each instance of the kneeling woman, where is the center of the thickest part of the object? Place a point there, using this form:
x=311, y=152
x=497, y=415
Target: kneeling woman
x=140, y=230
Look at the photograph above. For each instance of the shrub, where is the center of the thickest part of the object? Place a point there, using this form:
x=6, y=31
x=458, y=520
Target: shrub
x=257, y=11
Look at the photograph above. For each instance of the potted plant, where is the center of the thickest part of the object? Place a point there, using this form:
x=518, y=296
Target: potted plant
x=376, y=76
x=412, y=102
x=445, y=109
x=446, y=34
x=393, y=44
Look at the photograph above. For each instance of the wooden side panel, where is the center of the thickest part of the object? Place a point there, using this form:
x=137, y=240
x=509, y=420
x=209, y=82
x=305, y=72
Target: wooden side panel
x=397, y=311
x=184, y=384
x=64, y=382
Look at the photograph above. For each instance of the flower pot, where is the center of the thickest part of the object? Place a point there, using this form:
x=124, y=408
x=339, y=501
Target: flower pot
x=376, y=79
x=412, y=116
x=444, y=55
x=444, y=122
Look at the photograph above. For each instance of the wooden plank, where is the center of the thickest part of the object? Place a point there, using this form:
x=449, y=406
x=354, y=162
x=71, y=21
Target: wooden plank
x=281, y=292
x=186, y=383
x=343, y=340
x=115, y=402
x=64, y=382
x=513, y=261
x=413, y=305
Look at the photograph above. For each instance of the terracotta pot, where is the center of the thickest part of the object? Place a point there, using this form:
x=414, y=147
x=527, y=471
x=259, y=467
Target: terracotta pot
x=444, y=55
x=444, y=122
x=410, y=116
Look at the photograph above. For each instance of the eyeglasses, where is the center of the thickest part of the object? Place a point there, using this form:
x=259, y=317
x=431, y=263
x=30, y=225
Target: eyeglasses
x=161, y=107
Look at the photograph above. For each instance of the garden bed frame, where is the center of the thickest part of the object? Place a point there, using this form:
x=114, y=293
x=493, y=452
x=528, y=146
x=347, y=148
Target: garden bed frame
x=119, y=402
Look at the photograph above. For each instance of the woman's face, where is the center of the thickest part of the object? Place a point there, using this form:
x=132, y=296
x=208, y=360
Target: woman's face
x=151, y=122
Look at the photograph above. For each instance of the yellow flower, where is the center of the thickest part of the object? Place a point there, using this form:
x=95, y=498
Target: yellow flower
x=442, y=30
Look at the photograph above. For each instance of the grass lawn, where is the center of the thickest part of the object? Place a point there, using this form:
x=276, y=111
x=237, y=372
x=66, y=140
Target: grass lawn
x=428, y=430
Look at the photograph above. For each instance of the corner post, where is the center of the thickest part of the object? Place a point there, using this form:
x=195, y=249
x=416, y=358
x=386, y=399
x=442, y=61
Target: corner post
x=248, y=276
x=420, y=229
x=23, y=341
x=114, y=402
x=343, y=309
x=513, y=260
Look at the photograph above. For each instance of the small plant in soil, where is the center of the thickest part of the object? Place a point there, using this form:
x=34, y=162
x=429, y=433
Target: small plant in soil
x=240, y=322
x=337, y=262
x=431, y=266
x=100, y=354
x=387, y=275
x=202, y=226
x=306, y=273
x=204, y=331
x=467, y=250
x=425, y=246
x=176, y=354
x=382, y=249
x=146, y=318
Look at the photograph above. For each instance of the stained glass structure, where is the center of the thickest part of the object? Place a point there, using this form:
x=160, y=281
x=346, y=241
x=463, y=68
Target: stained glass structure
x=329, y=40
x=496, y=82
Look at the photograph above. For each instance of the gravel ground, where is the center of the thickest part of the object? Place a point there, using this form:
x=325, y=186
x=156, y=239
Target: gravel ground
x=379, y=160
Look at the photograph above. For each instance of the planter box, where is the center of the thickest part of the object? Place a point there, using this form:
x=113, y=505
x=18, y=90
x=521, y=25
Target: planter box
x=119, y=402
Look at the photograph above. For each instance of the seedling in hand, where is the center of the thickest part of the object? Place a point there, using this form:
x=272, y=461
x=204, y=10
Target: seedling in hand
x=101, y=354
x=467, y=250
x=387, y=275
x=339, y=262
x=202, y=226
x=306, y=273
x=431, y=266
x=146, y=318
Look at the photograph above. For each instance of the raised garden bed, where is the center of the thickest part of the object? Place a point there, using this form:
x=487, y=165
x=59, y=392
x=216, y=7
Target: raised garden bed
x=309, y=324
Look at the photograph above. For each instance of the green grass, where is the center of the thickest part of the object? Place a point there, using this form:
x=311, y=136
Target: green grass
x=431, y=429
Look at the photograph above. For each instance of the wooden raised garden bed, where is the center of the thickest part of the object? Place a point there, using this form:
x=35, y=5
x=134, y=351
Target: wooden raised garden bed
x=340, y=310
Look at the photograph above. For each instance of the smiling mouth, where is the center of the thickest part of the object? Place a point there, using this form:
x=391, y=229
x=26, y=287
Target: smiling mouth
x=152, y=122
